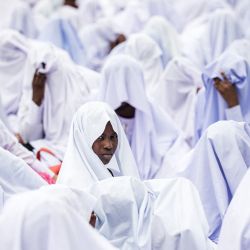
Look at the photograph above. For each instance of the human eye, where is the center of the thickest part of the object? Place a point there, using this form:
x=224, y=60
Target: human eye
x=100, y=138
x=114, y=136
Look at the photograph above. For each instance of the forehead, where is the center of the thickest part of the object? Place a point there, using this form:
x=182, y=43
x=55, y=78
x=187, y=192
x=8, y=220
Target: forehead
x=109, y=128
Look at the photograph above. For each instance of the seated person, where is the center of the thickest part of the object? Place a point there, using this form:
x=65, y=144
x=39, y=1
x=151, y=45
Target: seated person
x=155, y=139
x=97, y=148
x=216, y=166
x=16, y=176
x=155, y=214
x=53, y=86
x=9, y=142
x=50, y=218
x=235, y=228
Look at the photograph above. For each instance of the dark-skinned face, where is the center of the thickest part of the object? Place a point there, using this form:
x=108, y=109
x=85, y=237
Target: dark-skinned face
x=105, y=145
x=126, y=110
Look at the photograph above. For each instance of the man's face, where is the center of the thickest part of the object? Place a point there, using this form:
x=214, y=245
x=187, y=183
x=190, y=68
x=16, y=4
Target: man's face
x=105, y=145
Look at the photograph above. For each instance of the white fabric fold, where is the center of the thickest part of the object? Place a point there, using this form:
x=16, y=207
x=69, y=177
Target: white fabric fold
x=81, y=166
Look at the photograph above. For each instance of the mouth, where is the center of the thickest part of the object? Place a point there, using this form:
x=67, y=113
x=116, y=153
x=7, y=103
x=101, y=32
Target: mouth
x=105, y=158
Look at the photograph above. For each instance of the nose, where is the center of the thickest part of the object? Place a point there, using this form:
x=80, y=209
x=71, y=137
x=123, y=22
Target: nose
x=108, y=144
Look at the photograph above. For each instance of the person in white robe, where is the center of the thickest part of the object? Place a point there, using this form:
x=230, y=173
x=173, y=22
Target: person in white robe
x=81, y=166
x=148, y=53
x=154, y=138
x=97, y=39
x=13, y=55
x=216, y=166
x=54, y=217
x=54, y=88
x=156, y=214
x=9, y=142
x=222, y=29
x=16, y=176
x=177, y=93
x=198, y=41
x=165, y=35
x=235, y=230
x=23, y=18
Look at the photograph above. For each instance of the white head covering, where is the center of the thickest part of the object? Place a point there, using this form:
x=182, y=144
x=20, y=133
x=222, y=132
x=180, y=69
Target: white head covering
x=50, y=218
x=23, y=19
x=216, y=166
x=16, y=176
x=236, y=69
x=176, y=93
x=223, y=28
x=198, y=41
x=13, y=54
x=166, y=10
x=133, y=18
x=96, y=39
x=243, y=15
x=165, y=35
x=132, y=214
x=67, y=88
x=148, y=53
x=61, y=32
x=81, y=166
x=90, y=11
x=154, y=132
x=235, y=232
x=47, y=7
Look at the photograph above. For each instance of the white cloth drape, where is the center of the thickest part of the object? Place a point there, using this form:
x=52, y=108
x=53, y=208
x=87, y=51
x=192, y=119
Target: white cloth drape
x=157, y=214
x=148, y=53
x=235, y=232
x=67, y=88
x=81, y=166
x=165, y=35
x=16, y=176
x=13, y=55
x=155, y=136
x=216, y=166
x=176, y=93
x=53, y=217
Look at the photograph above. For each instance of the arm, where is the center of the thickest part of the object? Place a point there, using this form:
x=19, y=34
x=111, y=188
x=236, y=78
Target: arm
x=31, y=109
x=229, y=93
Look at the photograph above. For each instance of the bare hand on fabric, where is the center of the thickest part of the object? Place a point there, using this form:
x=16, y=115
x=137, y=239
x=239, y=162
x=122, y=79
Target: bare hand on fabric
x=227, y=90
x=92, y=220
x=38, y=86
x=120, y=39
x=19, y=138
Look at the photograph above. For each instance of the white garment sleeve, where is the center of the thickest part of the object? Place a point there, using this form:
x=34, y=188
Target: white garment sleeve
x=10, y=143
x=234, y=113
x=30, y=119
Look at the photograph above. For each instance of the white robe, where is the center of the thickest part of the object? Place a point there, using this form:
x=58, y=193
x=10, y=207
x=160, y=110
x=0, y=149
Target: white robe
x=235, y=231
x=156, y=138
x=81, y=167
x=216, y=166
x=165, y=35
x=50, y=218
x=16, y=176
x=10, y=143
x=13, y=55
x=176, y=93
x=67, y=87
x=157, y=214
x=148, y=53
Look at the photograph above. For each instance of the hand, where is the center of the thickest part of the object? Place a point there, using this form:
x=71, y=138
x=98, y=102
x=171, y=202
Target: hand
x=19, y=138
x=120, y=39
x=227, y=90
x=92, y=220
x=38, y=86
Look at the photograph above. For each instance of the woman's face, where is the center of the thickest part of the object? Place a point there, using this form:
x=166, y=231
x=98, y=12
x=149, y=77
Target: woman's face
x=105, y=145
